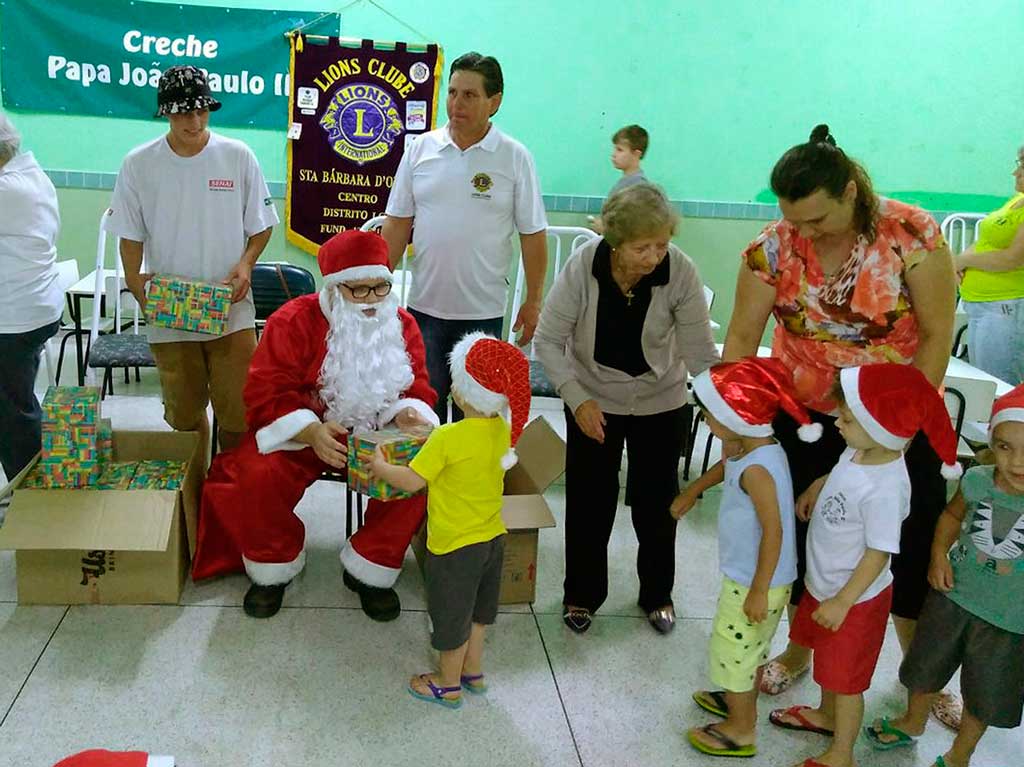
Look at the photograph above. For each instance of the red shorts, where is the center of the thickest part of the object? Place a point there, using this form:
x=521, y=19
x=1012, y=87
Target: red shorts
x=844, y=660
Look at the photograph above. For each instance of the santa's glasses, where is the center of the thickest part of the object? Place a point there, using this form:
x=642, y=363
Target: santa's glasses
x=362, y=291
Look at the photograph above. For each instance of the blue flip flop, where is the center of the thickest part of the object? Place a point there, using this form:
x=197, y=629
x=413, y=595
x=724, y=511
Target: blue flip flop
x=437, y=693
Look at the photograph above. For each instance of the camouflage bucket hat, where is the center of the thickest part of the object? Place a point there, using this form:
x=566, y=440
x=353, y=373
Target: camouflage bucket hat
x=184, y=89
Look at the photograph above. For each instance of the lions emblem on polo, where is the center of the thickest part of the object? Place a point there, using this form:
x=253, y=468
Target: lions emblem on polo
x=362, y=122
x=482, y=183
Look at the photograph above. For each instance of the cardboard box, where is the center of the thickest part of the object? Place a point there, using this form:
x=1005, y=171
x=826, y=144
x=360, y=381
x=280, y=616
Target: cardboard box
x=109, y=546
x=524, y=510
x=399, y=448
x=183, y=304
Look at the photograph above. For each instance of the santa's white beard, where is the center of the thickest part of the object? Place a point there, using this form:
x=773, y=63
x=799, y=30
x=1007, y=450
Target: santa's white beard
x=367, y=366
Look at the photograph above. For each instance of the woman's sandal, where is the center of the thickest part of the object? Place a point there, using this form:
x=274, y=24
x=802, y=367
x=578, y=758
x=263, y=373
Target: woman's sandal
x=474, y=683
x=874, y=732
x=437, y=693
x=712, y=701
x=777, y=678
x=730, y=747
x=577, y=618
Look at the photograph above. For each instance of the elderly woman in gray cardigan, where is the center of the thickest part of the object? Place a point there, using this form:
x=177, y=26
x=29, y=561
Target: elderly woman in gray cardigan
x=625, y=321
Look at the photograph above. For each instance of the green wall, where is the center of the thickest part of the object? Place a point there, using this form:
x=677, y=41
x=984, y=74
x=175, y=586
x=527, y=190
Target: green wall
x=713, y=244
x=723, y=88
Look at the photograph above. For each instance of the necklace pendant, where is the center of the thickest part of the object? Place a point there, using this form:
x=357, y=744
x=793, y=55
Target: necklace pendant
x=629, y=298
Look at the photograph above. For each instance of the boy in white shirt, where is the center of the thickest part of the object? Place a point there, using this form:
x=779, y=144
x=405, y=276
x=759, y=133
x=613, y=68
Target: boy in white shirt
x=196, y=204
x=858, y=510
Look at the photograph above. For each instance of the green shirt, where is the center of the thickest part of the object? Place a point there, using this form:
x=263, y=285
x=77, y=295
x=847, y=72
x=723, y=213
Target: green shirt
x=988, y=560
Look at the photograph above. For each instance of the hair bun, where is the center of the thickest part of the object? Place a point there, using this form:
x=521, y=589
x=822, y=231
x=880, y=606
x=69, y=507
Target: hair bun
x=821, y=135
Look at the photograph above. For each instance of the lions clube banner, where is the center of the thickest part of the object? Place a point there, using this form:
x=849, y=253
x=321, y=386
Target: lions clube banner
x=355, y=106
x=105, y=58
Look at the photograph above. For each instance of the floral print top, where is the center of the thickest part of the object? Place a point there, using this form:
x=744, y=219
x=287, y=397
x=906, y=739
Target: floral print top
x=858, y=315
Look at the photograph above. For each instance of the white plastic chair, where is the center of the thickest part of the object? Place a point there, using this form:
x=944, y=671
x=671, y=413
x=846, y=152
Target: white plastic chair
x=960, y=230
x=566, y=240
x=402, y=276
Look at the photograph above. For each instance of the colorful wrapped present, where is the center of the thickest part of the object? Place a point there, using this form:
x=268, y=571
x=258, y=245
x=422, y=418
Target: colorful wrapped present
x=71, y=405
x=105, y=441
x=183, y=304
x=158, y=475
x=399, y=447
x=36, y=479
x=116, y=476
x=71, y=427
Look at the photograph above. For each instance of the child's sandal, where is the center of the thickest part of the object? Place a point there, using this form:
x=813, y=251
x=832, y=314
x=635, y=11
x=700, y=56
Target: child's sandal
x=437, y=694
x=474, y=683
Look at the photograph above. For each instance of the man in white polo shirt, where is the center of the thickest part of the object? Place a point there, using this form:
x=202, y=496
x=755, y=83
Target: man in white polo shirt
x=469, y=188
x=196, y=203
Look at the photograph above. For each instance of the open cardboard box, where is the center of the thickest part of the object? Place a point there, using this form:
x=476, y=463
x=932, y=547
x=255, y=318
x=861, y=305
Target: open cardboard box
x=109, y=546
x=524, y=511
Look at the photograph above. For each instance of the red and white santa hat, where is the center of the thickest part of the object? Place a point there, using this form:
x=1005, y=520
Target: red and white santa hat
x=493, y=376
x=1009, y=407
x=745, y=396
x=893, y=402
x=354, y=255
x=101, y=758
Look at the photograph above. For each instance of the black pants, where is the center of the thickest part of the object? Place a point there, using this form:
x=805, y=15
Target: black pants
x=439, y=338
x=20, y=414
x=653, y=446
x=810, y=460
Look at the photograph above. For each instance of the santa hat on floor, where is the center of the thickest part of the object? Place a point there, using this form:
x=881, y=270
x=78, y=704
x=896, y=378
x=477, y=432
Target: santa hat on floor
x=1009, y=407
x=893, y=402
x=101, y=758
x=493, y=376
x=745, y=397
x=354, y=255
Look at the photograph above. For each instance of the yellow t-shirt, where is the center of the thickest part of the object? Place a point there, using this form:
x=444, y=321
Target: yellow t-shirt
x=461, y=463
x=996, y=232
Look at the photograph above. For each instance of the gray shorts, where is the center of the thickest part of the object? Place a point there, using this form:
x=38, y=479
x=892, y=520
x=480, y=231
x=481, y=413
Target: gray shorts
x=462, y=589
x=991, y=670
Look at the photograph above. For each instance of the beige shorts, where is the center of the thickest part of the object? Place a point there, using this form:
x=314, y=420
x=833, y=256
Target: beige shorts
x=194, y=373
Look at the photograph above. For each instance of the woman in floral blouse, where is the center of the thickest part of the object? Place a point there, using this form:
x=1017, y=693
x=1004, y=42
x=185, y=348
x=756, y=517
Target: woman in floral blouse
x=851, y=279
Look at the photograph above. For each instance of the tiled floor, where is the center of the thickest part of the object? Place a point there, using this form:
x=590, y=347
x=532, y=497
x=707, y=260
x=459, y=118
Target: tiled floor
x=321, y=684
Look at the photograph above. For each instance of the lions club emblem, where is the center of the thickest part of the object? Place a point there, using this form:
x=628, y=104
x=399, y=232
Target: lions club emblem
x=362, y=122
x=482, y=183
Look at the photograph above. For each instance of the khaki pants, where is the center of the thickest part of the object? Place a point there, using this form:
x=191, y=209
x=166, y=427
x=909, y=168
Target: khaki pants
x=194, y=373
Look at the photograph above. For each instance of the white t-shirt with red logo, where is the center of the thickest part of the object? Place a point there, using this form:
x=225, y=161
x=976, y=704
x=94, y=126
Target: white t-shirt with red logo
x=193, y=214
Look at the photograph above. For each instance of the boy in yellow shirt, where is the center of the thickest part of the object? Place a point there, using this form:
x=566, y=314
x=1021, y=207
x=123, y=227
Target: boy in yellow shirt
x=463, y=466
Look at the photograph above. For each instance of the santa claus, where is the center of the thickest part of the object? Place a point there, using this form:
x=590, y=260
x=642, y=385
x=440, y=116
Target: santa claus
x=346, y=358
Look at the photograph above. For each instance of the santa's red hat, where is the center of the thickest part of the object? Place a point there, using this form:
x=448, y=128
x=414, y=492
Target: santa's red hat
x=491, y=375
x=354, y=255
x=100, y=758
x=1009, y=407
x=893, y=402
x=745, y=397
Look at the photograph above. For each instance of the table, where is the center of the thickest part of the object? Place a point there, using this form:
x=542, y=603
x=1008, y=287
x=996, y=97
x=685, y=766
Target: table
x=961, y=369
x=85, y=288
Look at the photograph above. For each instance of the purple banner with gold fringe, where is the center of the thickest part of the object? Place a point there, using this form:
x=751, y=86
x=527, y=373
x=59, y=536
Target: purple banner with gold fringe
x=355, y=105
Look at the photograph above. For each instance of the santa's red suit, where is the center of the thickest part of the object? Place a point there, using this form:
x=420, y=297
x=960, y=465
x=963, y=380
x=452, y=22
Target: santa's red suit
x=247, y=518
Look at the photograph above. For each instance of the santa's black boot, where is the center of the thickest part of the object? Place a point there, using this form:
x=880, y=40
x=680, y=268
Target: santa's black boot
x=380, y=604
x=263, y=601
